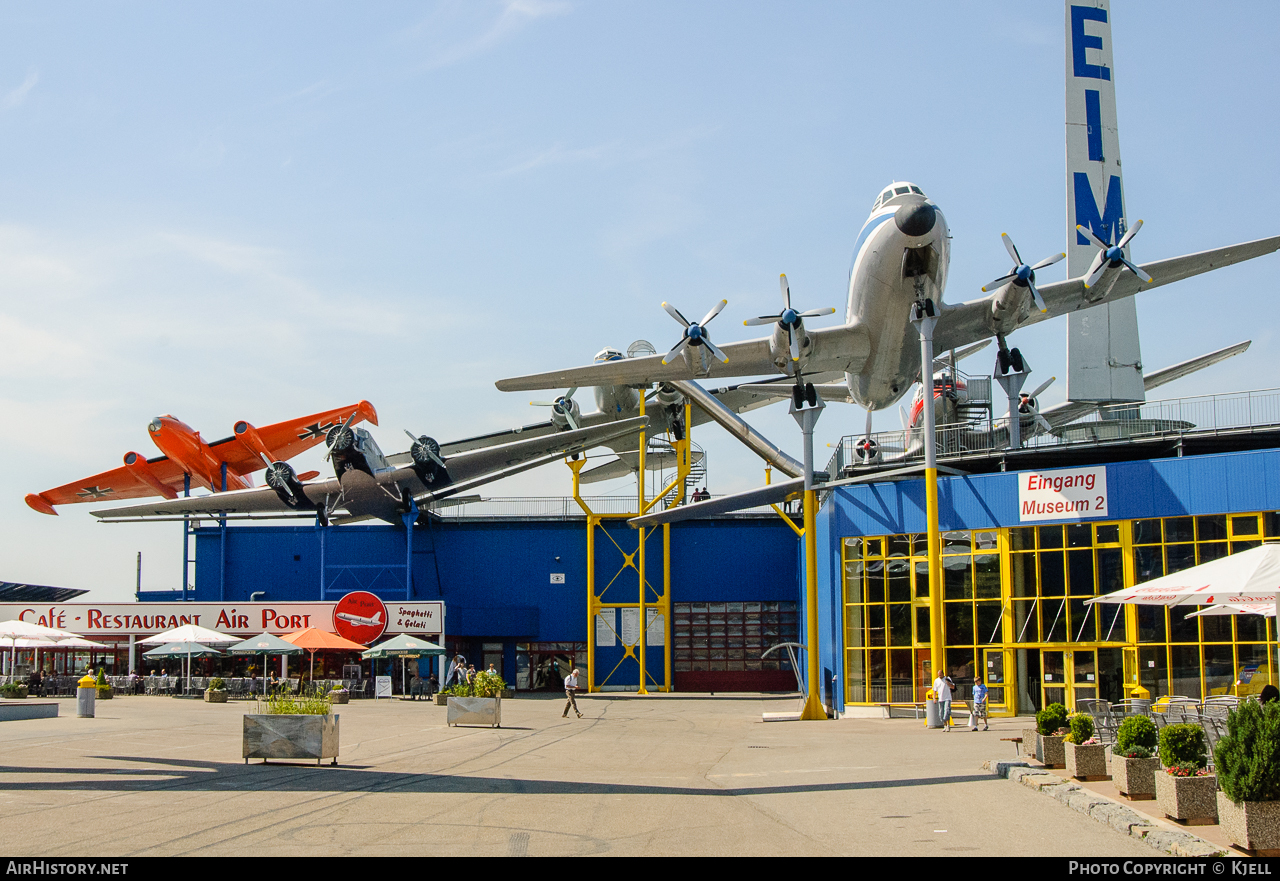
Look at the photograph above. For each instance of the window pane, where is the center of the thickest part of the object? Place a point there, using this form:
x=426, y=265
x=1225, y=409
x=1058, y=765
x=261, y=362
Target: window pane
x=1179, y=529
x=1023, y=575
x=875, y=625
x=1179, y=557
x=1023, y=538
x=1212, y=551
x=959, y=623
x=1146, y=532
x=1024, y=631
x=855, y=626
x=899, y=546
x=1185, y=672
x=958, y=578
x=1050, y=536
x=922, y=625
x=1108, y=533
x=900, y=679
x=877, y=674
x=922, y=579
x=1211, y=528
x=899, y=574
x=1148, y=563
x=1271, y=523
x=1238, y=546
x=1182, y=628
x=1219, y=669
x=899, y=624
x=1243, y=526
x=1151, y=624
x=1251, y=628
x=988, y=622
x=1216, y=628
x=1054, y=616
x=1110, y=570
x=1152, y=672
x=1111, y=621
x=956, y=542
x=960, y=666
x=1052, y=577
x=1081, y=563
x=986, y=575
x=1252, y=661
x=1083, y=617
x=1080, y=535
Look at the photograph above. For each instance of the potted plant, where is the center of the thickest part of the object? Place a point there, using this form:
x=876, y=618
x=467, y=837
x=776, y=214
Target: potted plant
x=13, y=690
x=291, y=727
x=339, y=695
x=1086, y=757
x=104, y=687
x=1248, y=765
x=1133, y=761
x=1185, y=790
x=478, y=702
x=1051, y=728
x=216, y=693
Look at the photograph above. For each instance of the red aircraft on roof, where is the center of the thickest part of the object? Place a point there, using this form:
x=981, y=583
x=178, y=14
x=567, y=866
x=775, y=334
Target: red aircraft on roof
x=249, y=449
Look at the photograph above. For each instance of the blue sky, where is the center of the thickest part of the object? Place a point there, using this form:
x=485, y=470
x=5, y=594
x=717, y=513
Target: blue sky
x=246, y=210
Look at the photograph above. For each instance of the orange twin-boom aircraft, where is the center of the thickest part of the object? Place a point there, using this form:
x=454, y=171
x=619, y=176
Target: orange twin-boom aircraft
x=249, y=449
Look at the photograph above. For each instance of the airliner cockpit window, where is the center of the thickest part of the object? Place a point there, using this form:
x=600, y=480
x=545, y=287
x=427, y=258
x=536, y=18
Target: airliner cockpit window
x=901, y=191
x=917, y=190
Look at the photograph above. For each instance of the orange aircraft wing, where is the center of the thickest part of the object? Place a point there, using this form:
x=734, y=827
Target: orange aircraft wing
x=118, y=483
x=284, y=440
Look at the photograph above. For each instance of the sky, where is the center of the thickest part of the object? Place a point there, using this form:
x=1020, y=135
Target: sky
x=258, y=211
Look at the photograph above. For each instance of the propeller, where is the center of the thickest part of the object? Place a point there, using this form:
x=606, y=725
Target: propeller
x=564, y=406
x=695, y=333
x=424, y=449
x=1112, y=255
x=1022, y=273
x=340, y=436
x=1032, y=408
x=788, y=318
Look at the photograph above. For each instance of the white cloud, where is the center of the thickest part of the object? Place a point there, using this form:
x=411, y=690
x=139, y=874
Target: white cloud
x=16, y=97
x=513, y=17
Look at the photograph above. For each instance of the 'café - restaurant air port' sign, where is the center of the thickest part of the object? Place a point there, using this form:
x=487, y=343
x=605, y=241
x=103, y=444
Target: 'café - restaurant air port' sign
x=1062, y=494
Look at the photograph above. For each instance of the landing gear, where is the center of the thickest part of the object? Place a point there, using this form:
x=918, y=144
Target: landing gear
x=1008, y=359
x=802, y=393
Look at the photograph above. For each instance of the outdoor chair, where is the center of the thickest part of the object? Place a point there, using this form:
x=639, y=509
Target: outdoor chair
x=1136, y=706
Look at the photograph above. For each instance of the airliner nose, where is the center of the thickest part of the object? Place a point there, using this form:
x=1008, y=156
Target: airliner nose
x=915, y=218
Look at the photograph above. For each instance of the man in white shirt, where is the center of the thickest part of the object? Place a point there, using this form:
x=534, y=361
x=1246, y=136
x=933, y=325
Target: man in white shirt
x=570, y=689
x=942, y=694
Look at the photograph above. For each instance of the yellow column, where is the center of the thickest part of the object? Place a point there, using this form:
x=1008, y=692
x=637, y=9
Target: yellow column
x=813, y=703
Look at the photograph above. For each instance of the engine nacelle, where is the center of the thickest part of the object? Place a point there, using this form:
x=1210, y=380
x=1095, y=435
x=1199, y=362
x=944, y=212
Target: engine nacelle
x=427, y=462
x=564, y=414
x=281, y=477
x=139, y=468
x=248, y=438
x=669, y=396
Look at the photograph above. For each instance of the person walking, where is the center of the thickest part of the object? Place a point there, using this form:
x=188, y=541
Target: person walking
x=570, y=689
x=979, y=707
x=942, y=694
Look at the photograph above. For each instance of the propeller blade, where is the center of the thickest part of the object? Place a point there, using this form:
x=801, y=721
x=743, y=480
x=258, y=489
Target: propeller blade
x=1044, y=385
x=531, y=404
x=1137, y=270
x=1096, y=269
x=795, y=344
x=569, y=394
x=815, y=313
x=1049, y=261
x=763, y=319
x=1088, y=232
x=711, y=347
x=1035, y=295
x=676, y=350
x=568, y=417
x=1009, y=246
x=675, y=313
x=786, y=291
x=1128, y=236
x=715, y=310
x=999, y=282
x=414, y=438
x=1044, y=424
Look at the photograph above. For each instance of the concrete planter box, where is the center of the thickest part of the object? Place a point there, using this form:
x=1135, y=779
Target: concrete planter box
x=340, y=697
x=1136, y=778
x=21, y=694
x=1253, y=825
x=1191, y=800
x=15, y=709
x=475, y=711
x=215, y=697
x=1086, y=762
x=105, y=692
x=1050, y=752
x=1030, y=742
x=290, y=737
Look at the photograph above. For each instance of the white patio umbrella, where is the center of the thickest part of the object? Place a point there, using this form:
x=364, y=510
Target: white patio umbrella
x=1249, y=577
x=15, y=630
x=1267, y=610
x=191, y=633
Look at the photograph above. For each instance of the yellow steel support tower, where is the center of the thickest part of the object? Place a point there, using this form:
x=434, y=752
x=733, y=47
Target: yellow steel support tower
x=661, y=603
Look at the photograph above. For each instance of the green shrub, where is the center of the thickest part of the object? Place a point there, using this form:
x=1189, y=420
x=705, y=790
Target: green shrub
x=1248, y=758
x=216, y=684
x=1081, y=728
x=1051, y=718
x=11, y=689
x=1183, y=744
x=1137, y=731
x=101, y=680
x=1134, y=752
x=483, y=685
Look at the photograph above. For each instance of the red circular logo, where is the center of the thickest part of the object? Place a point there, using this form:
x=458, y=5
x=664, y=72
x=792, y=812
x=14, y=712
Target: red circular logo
x=360, y=617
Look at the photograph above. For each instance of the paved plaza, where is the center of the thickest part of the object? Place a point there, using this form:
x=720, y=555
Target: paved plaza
x=663, y=775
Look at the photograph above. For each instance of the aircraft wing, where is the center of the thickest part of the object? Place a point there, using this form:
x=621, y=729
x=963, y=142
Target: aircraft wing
x=965, y=323
x=465, y=471
x=841, y=348
x=118, y=483
x=284, y=440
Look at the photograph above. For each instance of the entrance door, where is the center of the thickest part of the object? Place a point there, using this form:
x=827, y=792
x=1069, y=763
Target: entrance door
x=1069, y=676
x=993, y=674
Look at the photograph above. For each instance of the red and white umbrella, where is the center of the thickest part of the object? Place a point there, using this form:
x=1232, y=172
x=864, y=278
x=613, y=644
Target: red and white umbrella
x=1267, y=610
x=16, y=630
x=1249, y=577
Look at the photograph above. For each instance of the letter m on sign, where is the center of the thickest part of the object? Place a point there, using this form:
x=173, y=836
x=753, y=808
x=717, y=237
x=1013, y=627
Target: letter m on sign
x=1107, y=224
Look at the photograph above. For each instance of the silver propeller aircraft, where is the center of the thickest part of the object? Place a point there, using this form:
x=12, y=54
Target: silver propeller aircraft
x=664, y=405
x=366, y=484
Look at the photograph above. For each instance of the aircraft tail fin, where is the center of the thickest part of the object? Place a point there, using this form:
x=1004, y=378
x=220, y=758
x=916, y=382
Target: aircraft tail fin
x=1104, y=357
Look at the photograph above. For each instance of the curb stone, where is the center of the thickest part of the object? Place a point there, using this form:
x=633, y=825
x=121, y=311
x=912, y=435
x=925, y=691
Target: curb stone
x=1104, y=810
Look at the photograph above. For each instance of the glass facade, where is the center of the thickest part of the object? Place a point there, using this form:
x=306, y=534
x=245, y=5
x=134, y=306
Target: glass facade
x=1014, y=614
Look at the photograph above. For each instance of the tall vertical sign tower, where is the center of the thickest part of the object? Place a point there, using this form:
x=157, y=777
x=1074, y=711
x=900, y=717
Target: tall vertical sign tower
x=1104, y=358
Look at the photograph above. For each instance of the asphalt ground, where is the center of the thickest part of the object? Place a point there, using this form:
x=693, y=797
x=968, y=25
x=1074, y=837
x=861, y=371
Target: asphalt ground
x=665, y=775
